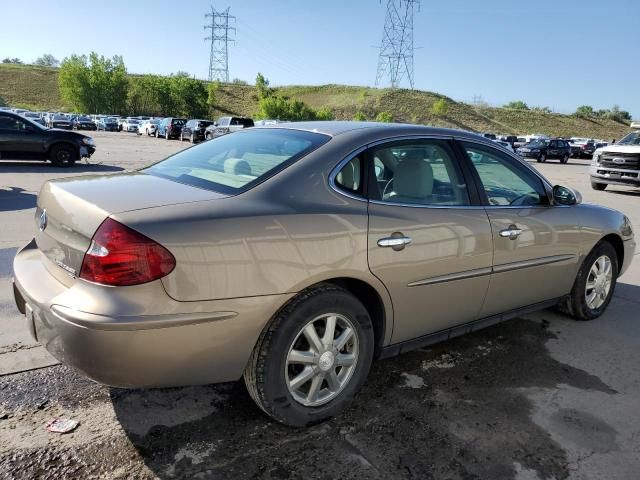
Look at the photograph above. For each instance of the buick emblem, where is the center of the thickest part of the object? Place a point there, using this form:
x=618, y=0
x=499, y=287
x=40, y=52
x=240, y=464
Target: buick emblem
x=618, y=160
x=42, y=223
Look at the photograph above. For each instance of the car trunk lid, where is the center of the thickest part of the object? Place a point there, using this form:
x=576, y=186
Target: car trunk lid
x=69, y=211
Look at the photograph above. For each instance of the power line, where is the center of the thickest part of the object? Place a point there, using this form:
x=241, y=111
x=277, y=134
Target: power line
x=219, y=56
x=396, y=50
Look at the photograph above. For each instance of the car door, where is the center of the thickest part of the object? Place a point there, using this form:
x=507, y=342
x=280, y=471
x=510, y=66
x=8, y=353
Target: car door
x=19, y=138
x=536, y=244
x=427, y=242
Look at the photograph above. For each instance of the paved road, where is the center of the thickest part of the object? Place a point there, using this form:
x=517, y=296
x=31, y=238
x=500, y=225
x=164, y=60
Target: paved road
x=535, y=398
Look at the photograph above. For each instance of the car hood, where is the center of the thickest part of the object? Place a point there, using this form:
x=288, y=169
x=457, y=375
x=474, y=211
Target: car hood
x=617, y=148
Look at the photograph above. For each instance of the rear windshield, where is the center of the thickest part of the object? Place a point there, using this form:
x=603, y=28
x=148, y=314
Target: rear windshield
x=236, y=162
x=178, y=121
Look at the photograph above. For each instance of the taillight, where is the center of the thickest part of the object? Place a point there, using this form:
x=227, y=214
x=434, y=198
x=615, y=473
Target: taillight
x=121, y=256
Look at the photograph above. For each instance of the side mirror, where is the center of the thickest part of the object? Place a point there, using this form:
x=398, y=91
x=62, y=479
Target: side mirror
x=566, y=196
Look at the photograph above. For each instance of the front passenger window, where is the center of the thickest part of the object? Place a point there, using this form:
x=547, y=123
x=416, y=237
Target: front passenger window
x=505, y=181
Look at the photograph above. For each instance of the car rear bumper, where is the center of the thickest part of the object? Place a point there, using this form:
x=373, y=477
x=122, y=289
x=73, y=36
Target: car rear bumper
x=161, y=343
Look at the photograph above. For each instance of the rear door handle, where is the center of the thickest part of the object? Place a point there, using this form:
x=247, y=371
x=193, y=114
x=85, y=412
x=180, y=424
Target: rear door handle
x=395, y=242
x=511, y=232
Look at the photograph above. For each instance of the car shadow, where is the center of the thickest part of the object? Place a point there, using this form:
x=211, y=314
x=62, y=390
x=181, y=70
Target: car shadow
x=632, y=193
x=11, y=166
x=16, y=198
x=443, y=400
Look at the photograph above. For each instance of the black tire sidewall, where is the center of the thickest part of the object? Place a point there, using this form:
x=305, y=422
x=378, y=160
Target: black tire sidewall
x=579, y=303
x=275, y=390
x=54, y=156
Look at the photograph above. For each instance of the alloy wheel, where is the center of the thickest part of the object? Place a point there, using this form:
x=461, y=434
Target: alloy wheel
x=598, y=282
x=321, y=359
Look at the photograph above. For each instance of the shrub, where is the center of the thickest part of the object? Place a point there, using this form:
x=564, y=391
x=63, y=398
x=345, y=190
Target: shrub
x=584, y=111
x=324, y=114
x=517, y=105
x=360, y=117
x=384, y=117
x=440, y=108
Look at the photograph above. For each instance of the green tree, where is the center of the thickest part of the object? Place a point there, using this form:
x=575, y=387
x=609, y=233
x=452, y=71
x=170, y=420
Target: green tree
x=360, y=117
x=262, y=86
x=516, y=105
x=541, y=109
x=239, y=81
x=440, y=108
x=190, y=96
x=584, y=111
x=12, y=60
x=384, y=117
x=47, y=60
x=212, y=91
x=94, y=84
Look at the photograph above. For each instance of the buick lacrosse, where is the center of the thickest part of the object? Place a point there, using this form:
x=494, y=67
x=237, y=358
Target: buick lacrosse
x=294, y=255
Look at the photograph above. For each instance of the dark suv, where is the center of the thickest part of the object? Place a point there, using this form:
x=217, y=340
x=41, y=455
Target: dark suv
x=20, y=138
x=170, y=127
x=194, y=130
x=544, y=149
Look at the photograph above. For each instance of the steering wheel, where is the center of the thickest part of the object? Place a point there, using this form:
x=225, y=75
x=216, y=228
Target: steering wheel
x=384, y=190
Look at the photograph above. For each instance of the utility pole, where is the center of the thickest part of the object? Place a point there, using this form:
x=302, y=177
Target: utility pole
x=219, y=56
x=396, y=49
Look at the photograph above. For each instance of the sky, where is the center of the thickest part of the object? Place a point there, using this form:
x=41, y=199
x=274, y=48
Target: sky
x=555, y=53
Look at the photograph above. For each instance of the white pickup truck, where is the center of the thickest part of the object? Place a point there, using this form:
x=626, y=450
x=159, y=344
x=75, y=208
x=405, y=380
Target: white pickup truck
x=618, y=163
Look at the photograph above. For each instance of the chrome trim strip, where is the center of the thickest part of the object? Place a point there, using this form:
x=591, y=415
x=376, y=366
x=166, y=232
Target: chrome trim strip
x=507, y=267
x=478, y=272
x=466, y=207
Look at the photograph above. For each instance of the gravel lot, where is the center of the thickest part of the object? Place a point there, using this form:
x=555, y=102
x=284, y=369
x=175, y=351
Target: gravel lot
x=538, y=397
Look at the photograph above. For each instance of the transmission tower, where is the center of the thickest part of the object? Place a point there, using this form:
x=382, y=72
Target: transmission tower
x=396, y=49
x=219, y=56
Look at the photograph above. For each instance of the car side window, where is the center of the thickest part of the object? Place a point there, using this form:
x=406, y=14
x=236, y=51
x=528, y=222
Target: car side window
x=349, y=178
x=11, y=124
x=505, y=181
x=418, y=173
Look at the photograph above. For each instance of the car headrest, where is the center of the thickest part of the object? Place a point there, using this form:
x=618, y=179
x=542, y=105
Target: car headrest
x=237, y=166
x=413, y=179
x=348, y=177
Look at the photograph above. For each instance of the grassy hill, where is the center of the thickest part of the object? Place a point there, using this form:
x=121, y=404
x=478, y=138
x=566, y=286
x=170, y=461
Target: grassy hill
x=34, y=87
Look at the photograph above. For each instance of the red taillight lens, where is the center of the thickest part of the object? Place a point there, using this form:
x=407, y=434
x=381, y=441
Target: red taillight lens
x=121, y=256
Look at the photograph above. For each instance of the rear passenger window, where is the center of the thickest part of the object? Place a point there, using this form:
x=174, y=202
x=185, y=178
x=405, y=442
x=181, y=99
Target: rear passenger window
x=349, y=177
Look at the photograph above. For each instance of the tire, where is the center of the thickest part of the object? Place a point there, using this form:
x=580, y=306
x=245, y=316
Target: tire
x=181, y=137
x=578, y=304
x=62, y=155
x=264, y=377
x=192, y=139
x=542, y=158
x=166, y=134
x=564, y=159
x=598, y=186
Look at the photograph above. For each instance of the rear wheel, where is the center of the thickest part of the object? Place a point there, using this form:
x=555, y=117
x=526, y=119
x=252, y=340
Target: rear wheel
x=598, y=186
x=313, y=357
x=62, y=155
x=564, y=159
x=595, y=283
x=193, y=140
x=542, y=158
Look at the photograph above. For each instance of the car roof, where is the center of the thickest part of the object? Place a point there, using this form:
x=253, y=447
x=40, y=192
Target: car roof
x=335, y=128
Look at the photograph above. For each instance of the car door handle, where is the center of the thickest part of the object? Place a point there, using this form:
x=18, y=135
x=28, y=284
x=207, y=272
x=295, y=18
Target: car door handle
x=511, y=232
x=397, y=242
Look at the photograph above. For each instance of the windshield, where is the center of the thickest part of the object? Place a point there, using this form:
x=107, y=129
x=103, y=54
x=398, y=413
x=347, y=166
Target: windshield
x=234, y=163
x=632, y=138
x=537, y=143
x=178, y=121
x=31, y=115
x=60, y=117
x=83, y=119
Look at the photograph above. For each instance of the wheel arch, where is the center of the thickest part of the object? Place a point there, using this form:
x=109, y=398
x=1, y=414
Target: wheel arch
x=618, y=246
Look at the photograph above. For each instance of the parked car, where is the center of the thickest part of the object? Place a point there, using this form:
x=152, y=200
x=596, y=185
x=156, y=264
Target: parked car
x=59, y=121
x=504, y=144
x=520, y=142
x=83, y=123
x=262, y=254
x=617, y=164
x=108, y=124
x=543, y=150
x=34, y=117
x=148, y=127
x=578, y=146
x=225, y=125
x=170, y=127
x=131, y=125
x=22, y=138
x=194, y=130
x=121, y=122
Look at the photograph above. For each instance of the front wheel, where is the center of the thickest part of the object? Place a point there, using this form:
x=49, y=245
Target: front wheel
x=542, y=158
x=313, y=357
x=62, y=155
x=595, y=283
x=564, y=159
x=598, y=186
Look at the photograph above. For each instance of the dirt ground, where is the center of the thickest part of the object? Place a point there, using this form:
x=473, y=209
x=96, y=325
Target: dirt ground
x=539, y=397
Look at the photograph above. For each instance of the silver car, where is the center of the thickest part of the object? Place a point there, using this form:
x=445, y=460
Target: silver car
x=295, y=254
